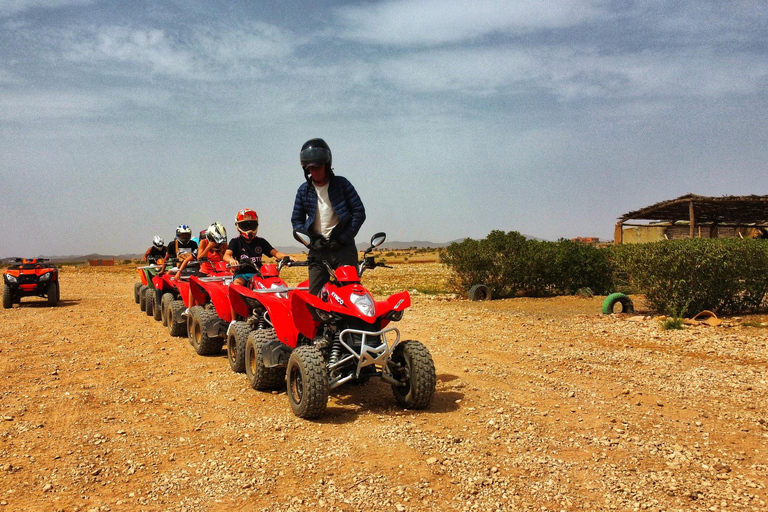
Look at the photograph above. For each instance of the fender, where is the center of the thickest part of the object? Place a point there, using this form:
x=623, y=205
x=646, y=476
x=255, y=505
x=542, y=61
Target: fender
x=183, y=289
x=218, y=293
x=277, y=310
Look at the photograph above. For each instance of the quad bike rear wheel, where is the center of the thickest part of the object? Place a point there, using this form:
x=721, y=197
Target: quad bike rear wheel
x=307, y=382
x=143, y=297
x=236, y=340
x=260, y=377
x=53, y=293
x=172, y=312
x=157, y=306
x=414, y=366
x=197, y=328
x=7, y=297
x=165, y=306
x=136, y=288
x=149, y=301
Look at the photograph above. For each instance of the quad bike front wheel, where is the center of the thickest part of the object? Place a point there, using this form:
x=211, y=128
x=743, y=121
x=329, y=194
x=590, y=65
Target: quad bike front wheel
x=165, y=306
x=136, y=288
x=260, y=377
x=414, y=367
x=7, y=297
x=149, y=301
x=173, y=311
x=143, y=297
x=236, y=340
x=197, y=328
x=307, y=382
x=157, y=306
x=53, y=293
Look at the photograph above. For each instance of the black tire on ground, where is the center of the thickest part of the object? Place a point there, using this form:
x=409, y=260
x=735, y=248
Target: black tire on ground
x=143, y=297
x=260, y=377
x=157, y=306
x=53, y=293
x=136, y=287
x=176, y=328
x=197, y=328
x=479, y=292
x=236, y=339
x=7, y=297
x=610, y=302
x=416, y=363
x=307, y=382
x=165, y=306
x=149, y=301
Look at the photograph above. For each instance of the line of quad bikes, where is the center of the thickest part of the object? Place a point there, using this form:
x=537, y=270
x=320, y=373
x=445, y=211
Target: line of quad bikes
x=285, y=337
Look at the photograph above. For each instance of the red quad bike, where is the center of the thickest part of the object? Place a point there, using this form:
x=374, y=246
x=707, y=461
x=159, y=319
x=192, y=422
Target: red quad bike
x=35, y=277
x=344, y=336
x=253, y=306
x=209, y=319
x=173, y=297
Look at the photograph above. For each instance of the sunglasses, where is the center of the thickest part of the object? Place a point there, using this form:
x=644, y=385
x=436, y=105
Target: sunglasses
x=248, y=225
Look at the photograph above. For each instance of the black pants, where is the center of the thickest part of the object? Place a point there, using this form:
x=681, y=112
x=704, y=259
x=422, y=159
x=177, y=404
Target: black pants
x=318, y=275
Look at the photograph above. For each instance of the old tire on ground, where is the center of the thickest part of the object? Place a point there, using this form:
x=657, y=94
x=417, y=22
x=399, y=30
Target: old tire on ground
x=157, y=306
x=197, y=328
x=53, y=293
x=143, y=297
x=136, y=287
x=174, y=310
x=479, y=292
x=237, y=336
x=260, y=377
x=7, y=297
x=149, y=301
x=165, y=306
x=307, y=382
x=610, y=302
x=414, y=362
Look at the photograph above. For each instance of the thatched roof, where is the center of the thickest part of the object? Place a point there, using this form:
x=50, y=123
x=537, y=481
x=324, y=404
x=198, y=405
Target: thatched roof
x=734, y=210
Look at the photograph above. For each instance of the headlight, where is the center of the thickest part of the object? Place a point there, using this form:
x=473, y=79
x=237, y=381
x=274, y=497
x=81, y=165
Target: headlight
x=11, y=279
x=364, y=303
x=282, y=295
x=46, y=276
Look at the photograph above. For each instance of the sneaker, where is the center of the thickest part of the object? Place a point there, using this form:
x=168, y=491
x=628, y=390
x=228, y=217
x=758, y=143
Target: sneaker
x=185, y=314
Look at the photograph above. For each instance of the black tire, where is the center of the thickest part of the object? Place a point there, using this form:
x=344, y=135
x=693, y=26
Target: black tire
x=610, y=302
x=143, y=297
x=307, y=382
x=165, y=306
x=136, y=288
x=157, y=306
x=479, y=292
x=259, y=376
x=414, y=362
x=7, y=297
x=236, y=340
x=149, y=301
x=53, y=293
x=197, y=329
x=174, y=310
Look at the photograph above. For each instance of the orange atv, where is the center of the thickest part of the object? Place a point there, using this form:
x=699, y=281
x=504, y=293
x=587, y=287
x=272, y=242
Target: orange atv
x=35, y=277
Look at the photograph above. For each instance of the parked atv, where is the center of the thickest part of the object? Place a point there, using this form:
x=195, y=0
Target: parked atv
x=344, y=336
x=209, y=317
x=172, y=297
x=35, y=277
x=144, y=291
x=253, y=325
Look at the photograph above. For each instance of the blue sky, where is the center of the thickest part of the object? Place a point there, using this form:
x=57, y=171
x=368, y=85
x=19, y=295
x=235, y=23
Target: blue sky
x=121, y=120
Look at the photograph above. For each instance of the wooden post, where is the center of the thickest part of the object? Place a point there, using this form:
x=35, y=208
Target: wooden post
x=618, y=233
x=693, y=220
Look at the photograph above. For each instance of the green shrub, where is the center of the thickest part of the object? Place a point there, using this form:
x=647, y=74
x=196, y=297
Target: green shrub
x=726, y=275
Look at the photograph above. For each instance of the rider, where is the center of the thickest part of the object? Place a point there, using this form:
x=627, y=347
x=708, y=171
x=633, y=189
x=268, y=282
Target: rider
x=213, y=245
x=182, y=248
x=156, y=250
x=245, y=251
x=328, y=208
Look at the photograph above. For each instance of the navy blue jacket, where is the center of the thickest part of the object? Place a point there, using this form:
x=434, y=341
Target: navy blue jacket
x=344, y=201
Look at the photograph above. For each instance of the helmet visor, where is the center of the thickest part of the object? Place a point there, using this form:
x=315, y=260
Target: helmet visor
x=184, y=237
x=317, y=156
x=248, y=225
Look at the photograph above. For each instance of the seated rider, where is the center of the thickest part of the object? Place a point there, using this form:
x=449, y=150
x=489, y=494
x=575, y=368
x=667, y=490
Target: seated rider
x=156, y=250
x=182, y=248
x=245, y=251
x=213, y=246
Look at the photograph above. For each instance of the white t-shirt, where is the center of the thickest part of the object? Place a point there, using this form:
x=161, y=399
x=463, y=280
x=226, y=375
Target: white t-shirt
x=325, y=218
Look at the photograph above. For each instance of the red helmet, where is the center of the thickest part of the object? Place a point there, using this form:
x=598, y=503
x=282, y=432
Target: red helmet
x=247, y=222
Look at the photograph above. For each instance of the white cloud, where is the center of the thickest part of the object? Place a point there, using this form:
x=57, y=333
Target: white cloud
x=430, y=22
x=32, y=105
x=12, y=7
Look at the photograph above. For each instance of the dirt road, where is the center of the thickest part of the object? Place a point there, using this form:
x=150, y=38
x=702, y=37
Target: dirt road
x=541, y=404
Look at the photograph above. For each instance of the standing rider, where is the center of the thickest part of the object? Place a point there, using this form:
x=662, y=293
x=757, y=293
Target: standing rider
x=328, y=208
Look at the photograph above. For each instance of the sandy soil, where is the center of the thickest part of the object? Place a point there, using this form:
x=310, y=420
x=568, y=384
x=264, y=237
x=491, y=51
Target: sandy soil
x=541, y=404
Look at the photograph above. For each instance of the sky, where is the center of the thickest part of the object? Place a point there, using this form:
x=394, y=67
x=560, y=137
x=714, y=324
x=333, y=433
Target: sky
x=121, y=120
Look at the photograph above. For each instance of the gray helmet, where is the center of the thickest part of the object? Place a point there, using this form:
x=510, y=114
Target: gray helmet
x=316, y=151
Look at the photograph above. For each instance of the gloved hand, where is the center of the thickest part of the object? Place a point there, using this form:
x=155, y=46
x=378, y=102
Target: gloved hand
x=319, y=243
x=334, y=244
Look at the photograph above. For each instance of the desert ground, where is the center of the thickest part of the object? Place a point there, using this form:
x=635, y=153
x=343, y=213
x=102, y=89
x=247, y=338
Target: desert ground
x=541, y=404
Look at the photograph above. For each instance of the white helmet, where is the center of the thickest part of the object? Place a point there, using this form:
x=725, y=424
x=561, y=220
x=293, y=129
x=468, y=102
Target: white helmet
x=184, y=230
x=158, y=242
x=216, y=232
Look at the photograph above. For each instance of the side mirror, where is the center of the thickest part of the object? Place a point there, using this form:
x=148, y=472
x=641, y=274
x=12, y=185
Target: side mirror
x=302, y=237
x=378, y=239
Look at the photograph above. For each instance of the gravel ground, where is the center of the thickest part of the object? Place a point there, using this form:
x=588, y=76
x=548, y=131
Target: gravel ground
x=541, y=404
